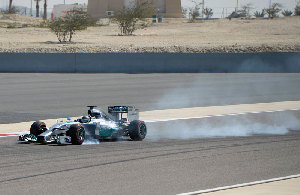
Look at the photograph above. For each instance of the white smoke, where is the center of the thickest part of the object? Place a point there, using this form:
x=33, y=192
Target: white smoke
x=273, y=123
x=224, y=89
x=90, y=141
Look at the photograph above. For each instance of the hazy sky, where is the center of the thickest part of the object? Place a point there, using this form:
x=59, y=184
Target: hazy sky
x=217, y=5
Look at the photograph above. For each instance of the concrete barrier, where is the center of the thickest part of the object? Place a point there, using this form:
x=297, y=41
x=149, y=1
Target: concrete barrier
x=37, y=62
x=150, y=62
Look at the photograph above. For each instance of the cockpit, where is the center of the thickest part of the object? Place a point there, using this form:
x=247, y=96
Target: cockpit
x=98, y=114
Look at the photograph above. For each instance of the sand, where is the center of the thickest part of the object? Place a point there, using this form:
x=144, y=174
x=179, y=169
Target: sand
x=173, y=35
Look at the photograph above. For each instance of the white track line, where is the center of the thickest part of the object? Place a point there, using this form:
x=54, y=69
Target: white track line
x=219, y=115
x=240, y=185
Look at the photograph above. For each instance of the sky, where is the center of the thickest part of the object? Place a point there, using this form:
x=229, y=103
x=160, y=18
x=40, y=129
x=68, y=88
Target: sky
x=216, y=5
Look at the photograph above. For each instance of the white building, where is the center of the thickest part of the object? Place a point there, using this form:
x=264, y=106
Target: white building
x=105, y=8
x=62, y=9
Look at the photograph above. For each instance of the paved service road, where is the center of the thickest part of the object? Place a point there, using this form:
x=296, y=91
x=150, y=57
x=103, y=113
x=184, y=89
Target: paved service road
x=29, y=97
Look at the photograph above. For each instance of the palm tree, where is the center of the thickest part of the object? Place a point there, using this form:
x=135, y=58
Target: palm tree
x=37, y=14
x=45, y=10
x=10, y=6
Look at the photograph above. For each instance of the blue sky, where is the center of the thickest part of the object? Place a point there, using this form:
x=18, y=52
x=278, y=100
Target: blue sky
x=217, y=5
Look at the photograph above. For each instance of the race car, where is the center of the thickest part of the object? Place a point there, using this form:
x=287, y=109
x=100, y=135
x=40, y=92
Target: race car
x=120, y=121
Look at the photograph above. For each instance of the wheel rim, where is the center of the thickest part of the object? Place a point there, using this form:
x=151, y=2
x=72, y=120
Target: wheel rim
x=81, y=134
x=142, y=130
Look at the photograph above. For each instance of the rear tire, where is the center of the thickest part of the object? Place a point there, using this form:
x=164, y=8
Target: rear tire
x=77, y=134
x=137, y=130
x=37, y=128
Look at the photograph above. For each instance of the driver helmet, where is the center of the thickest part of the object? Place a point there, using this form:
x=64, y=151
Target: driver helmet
x=85, y=119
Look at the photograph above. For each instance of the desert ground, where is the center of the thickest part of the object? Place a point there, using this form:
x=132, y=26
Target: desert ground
x=24, y=34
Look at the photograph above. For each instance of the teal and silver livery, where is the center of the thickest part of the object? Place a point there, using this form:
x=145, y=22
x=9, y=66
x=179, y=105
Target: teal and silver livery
x=120, y=121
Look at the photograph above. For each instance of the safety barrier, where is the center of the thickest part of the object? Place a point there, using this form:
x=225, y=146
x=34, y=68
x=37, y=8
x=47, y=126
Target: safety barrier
x=150, y=62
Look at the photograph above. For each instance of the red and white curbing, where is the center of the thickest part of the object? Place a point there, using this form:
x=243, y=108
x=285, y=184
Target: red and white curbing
x=12, y=134
x=9, y=134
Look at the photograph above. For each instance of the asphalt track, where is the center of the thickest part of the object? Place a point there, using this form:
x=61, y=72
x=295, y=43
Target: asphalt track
x=29, y=97
x=164, y=166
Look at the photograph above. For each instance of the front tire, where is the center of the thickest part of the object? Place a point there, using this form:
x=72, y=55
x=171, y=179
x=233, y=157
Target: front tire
x=77, y=134
x=37, y=128
x=137, y=130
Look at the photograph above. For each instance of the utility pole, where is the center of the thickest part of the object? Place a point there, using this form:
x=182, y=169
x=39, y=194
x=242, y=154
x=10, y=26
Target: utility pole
x=270, y=4
x=237, y=5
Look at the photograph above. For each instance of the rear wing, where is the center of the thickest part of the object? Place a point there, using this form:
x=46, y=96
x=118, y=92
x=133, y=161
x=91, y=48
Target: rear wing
x=121, y=113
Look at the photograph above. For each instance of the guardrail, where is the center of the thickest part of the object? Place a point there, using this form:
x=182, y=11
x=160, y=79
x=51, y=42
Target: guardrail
x=150, y=62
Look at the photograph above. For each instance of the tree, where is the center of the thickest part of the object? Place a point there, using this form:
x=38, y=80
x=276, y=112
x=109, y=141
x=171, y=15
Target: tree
x=45, y=10
x=127, y=18
x=12, y=10
x=10, y=6
x=246, y=9
x=208, y=12
x=258, y=14
x=297, y=9
x=273, y=10
x=37, y=6
x=194, y=11
x=287, y=13
x=184, y=12
x=65, y=27
x=238, y=14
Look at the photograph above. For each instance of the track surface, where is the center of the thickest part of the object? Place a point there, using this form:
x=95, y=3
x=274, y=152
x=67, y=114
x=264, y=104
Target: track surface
x=166, y=166
x=29, y=97
x=147, y=167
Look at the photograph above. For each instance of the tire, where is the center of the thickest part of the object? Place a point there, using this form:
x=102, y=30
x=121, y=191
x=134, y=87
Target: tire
x=137, y=130
x=37, y=128
x=77, y=134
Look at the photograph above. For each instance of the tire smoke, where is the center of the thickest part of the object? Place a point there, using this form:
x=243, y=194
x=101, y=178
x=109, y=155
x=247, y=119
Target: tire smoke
x=89, y=140
x=228, y=89
x=278, y=123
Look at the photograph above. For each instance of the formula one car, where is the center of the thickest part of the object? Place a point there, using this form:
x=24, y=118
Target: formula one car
x=120, y=121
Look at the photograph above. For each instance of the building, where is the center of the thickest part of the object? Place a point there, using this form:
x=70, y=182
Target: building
x=106, y=8
x=62, y=9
